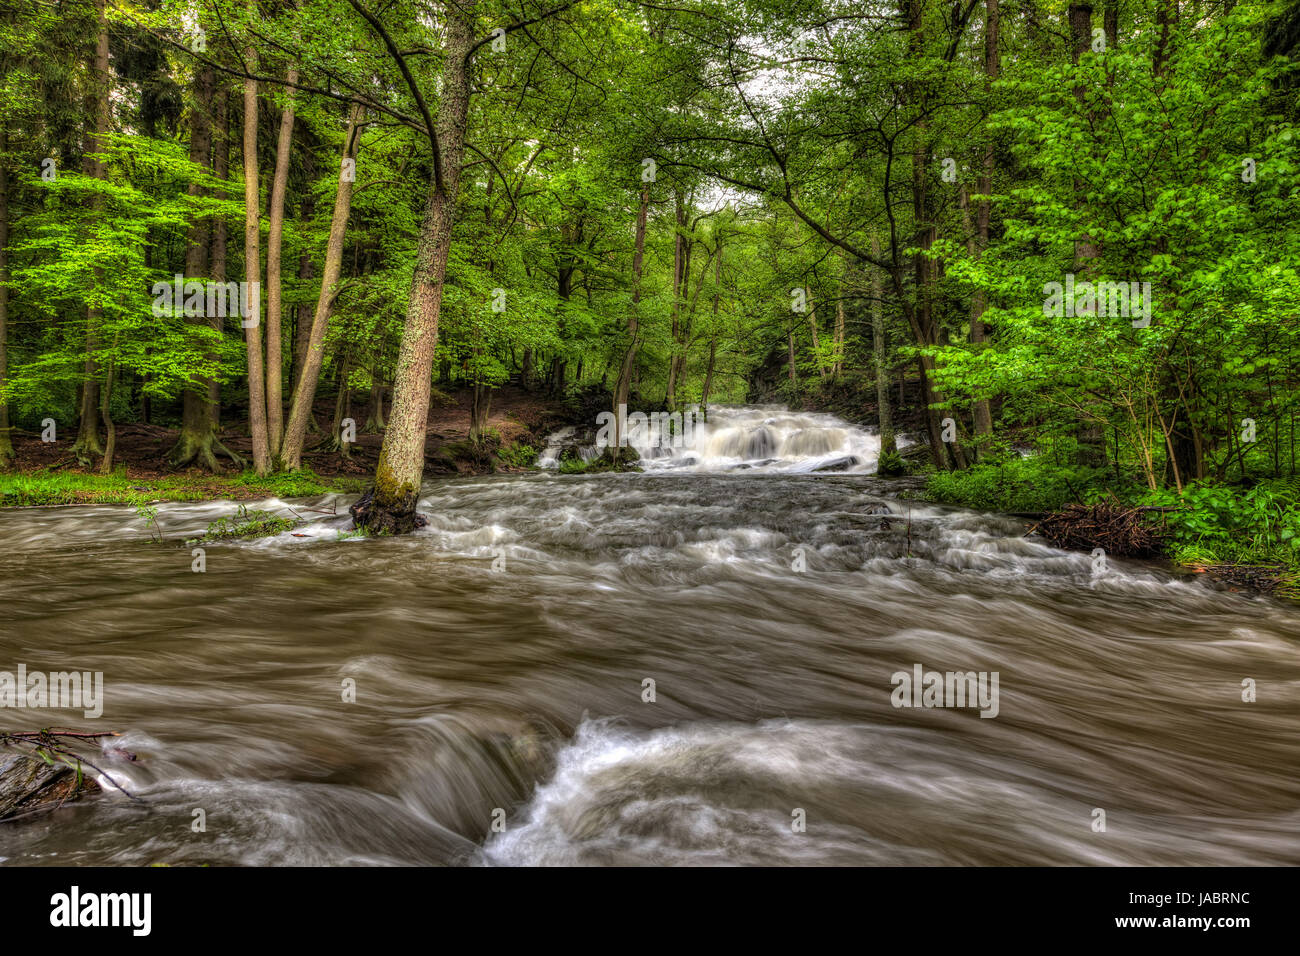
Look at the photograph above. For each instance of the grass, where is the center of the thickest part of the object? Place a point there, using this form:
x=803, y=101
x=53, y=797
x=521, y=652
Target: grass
x=81, y=488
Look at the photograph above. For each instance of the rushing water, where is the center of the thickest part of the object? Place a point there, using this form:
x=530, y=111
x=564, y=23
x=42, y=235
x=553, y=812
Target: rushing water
x=762, y=438
x=499, y=659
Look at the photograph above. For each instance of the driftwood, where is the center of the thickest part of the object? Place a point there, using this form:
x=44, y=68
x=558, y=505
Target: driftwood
x=1266, y=578
x=1120, y=531
x=42, y=770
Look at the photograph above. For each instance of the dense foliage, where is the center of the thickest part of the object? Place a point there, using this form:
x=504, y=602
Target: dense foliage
x=1072, y=231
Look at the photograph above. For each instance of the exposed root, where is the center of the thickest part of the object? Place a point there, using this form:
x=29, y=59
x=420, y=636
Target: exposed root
x=376, y=519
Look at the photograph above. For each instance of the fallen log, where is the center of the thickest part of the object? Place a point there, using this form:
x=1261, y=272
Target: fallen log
x=1264, y=578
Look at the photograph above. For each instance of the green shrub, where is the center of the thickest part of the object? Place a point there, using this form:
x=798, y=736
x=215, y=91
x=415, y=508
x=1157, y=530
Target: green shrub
x=1012, y=483
x=890, y=464
x=518, y=456
x=1221, y=524
x=246, y=524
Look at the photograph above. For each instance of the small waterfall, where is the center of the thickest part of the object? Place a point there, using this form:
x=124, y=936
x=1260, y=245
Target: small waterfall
x=762, y=438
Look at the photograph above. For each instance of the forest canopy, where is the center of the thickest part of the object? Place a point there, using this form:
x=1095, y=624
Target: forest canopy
x=1052, y=228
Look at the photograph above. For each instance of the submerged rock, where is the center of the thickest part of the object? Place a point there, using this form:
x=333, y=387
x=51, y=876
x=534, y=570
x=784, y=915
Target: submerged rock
x=29, y=783
x=839, y=464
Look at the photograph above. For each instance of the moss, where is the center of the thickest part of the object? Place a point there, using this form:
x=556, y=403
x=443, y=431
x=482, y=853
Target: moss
x=389, y=492
x=388, y=507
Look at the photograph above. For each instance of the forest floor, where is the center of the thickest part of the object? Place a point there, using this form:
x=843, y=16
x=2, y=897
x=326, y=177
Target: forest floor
x=47, y=473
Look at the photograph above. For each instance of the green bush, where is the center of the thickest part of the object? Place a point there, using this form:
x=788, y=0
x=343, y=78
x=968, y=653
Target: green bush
x=1011, y=483
x=1221, y=524
x=890, y=464
x=518, y=456
x=246, y=524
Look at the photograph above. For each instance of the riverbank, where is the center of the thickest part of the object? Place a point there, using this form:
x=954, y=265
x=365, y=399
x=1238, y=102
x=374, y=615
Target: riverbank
x=47, y=473
x=1245, y=536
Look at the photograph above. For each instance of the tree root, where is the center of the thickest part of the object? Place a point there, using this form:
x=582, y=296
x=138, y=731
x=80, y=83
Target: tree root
x=377, y=519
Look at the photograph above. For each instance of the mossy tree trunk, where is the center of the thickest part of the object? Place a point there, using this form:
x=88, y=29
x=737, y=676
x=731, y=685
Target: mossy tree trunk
x=253, y=272
x=194, y=444
x=6, y=446
x=274, y=247
x=88, y=443
x=391, y=507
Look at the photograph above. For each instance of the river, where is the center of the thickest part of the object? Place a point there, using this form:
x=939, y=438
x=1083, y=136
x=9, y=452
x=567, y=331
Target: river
x=502, y=661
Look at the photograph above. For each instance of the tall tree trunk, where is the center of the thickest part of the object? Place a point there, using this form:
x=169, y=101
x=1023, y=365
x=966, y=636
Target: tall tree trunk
x=922, y=317
x=342, y=405
x=274, y=245
x=220, y=170
x=979, y=304
x=688, y=324
x=623, y=386
x=88, y=443
x=816, y=341
x=713, y=331
x=681, y=275
x=884, y=414
x=375, y=407
x=304, y=394
x=305, y=311
x=194, y=443
x=252, y=272
x=480, y=410
x=6, y=445
x=837, y=368
x=794, y=375
x=401, y=461
x=106, y=414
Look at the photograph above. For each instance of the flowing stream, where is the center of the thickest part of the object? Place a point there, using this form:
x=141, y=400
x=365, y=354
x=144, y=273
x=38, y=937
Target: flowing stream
x=501, y=660
x=763, y=438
